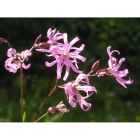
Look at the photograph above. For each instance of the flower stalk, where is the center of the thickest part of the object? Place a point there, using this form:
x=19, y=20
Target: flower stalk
x=41, y=117
x=42, y=104
x=21, y=92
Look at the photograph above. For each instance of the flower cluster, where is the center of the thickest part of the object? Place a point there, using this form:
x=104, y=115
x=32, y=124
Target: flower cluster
x=68, y=54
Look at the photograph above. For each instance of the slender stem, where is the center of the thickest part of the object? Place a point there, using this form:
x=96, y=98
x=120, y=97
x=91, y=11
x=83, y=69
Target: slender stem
x=28, y=53
x=52, y=91
x=41, y=117
x=9, y=44
x=21, y=92
x=89, y=74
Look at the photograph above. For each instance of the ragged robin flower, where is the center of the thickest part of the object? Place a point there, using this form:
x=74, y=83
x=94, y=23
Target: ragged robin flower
x=72, y=91
x=15, y=59
x=113, y=69
x=65, y=54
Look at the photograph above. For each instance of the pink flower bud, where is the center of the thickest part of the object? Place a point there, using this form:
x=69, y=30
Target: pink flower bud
x=53, y=111
x=2, y=40
x=43, y=45
x=38, y=39
x=95, y=66
x=60, y=108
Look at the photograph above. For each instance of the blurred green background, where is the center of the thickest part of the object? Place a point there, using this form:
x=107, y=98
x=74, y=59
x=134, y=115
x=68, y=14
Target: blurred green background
x=112, y=103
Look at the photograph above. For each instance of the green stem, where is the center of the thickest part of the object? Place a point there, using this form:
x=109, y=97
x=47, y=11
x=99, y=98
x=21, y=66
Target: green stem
x=52, y=91
x=21, y=92
x=41, y=117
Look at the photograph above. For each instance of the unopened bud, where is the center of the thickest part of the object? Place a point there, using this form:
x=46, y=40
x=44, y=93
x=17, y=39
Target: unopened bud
x=42, y=45
x=60, y=108
x=38, y=39
x=95, y=66
x=2, y=40
x=53, y=111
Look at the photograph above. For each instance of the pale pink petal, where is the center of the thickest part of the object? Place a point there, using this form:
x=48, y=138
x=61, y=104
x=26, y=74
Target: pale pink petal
x=78, y=50
x=25, y=53
x=83, y=103
x=87, y=88
x=81, y=58
x=67, y=62
x=122, y=73
x=76, y=39
x=68, y=89
x=112, y=62
x=82, y=76
x=26, y=66
x=50, y=64
x=9, y=67
x=59, y=37
x=75, y=62
x=50, y=33
x=108, y=50
x=115, y=51
x=70, y=94
x=119, y=63
x=110, y=53
x=129, y=81
x=65, y=40
x=59, y=68
x=72, y=101
x=123, y=82
x=66, y=73
x=11, y=52
x=74, y=55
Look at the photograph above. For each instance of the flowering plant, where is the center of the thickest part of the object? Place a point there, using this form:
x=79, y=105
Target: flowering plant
x=65, y=54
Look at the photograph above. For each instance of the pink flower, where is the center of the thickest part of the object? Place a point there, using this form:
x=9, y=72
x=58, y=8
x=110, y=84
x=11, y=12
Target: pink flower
x=14, y=61
x=65, y=54
x=72, y=91
x=113, y=69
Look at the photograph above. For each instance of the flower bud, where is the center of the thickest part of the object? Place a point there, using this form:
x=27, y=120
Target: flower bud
x=42, y=45
x=60, y=108
x=2, y=40
x=53, y=111
x=38, y=39
x=95, y=66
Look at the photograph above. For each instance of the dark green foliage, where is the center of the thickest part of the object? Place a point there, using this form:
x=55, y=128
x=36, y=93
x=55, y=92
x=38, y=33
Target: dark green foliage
x=111, y=101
